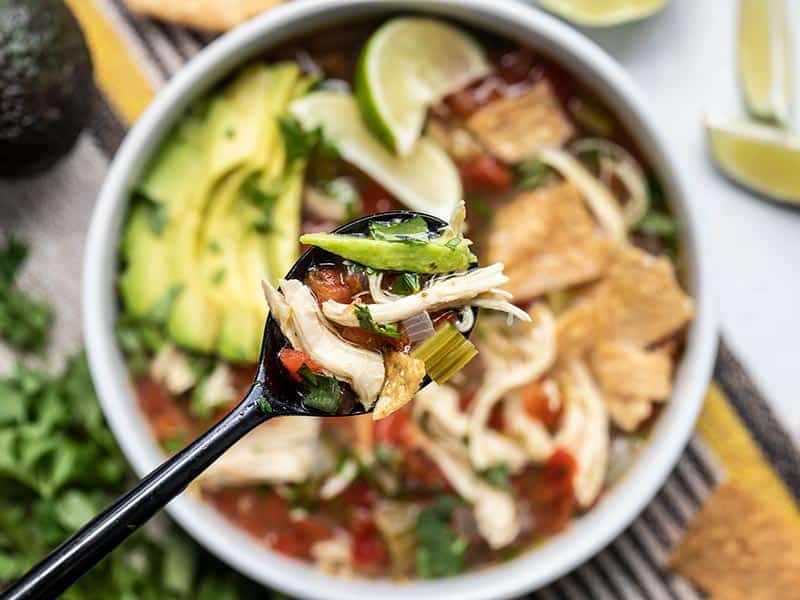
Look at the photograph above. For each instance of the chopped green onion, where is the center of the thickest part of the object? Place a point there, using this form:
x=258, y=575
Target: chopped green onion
x=445, y=353
x=365, y=321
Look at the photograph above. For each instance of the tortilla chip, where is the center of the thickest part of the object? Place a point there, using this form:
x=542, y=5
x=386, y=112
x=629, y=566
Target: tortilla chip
x=739, y=548
x=547, y=240
x=516, y=128
x=628, y=412
x=642, y=298
x=208, y=15
x=404, y=374
x=579, y=329
x=623, y=369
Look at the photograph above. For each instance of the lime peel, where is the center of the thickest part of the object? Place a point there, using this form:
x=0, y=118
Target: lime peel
x=603, y=13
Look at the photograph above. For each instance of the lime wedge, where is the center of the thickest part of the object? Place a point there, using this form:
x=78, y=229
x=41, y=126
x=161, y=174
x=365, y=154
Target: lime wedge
x=603, y=13
x=408, y=64
x=762, y=158
x=425, y=179
x=765, y=65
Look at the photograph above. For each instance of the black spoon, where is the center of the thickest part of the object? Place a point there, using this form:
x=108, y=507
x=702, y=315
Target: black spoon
x=272, y=394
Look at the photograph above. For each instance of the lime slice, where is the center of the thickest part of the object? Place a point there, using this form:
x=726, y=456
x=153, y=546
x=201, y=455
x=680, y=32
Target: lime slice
x=762, y=158
x=425, y=179
x=603, y=13
x=407, y=65
x=765, y=65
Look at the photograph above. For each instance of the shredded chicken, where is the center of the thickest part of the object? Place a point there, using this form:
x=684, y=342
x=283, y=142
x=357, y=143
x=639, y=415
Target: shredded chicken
x=495, y=512
x=338, y=482
x=516, y=128
x=280, y=451
x=453, y=290
x=362, y=369
x=334, y=555
x=584, y=431
x=530, y=433
x=547, y=241
x=170, y=368
x=513, y=357
x=404, y=374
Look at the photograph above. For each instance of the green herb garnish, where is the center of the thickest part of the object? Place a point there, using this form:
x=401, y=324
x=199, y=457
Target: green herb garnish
x=218, y=276
x=406, y=284
x=320, y=391
x=533, y=173
x=264, y=405
x=24, y=321
x=365, y=321
x=410, y=231
x=497, y=476
x=300, y=143
x=440, y=552
x=479, y=206
x=263, y=198
x=657, y=224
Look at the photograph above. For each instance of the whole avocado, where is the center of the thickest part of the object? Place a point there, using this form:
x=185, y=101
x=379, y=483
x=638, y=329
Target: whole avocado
x=45, y=84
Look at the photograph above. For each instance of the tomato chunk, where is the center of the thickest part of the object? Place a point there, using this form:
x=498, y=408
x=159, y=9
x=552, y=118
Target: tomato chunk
x=293, y=361
x=368, y=546
x=330, y=283
x=486, y=173
x=537, y=404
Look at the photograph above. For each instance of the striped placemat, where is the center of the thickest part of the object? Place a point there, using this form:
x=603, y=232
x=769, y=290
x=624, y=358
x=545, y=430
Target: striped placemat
x=737, y=438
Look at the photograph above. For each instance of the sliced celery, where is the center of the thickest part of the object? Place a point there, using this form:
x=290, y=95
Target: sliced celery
x=445, y=353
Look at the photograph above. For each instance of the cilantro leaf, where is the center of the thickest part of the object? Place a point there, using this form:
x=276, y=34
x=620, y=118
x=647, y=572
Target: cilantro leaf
x=497, y=476
x=440, y=552
x=406, y=284
x=533, y=173
x=263, y=198
x=365, y=321
x=410, y=231
x=320, y=391
x=299, y=143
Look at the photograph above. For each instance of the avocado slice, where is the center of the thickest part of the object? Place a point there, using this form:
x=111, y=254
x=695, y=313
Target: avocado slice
x=439, y=255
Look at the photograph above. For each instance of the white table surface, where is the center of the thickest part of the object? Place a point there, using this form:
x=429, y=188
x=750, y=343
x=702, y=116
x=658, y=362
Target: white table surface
x=685, y=59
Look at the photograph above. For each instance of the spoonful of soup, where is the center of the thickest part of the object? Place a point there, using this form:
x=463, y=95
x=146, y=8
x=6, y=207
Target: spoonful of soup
x=367, y=316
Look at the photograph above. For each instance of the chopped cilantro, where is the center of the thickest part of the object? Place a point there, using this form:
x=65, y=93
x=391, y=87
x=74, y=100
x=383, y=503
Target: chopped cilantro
x=263, y=198
x=479, y=206
x=406, y=284
x=440, y=552
x=215, y=246
x=299, y=143
x=365, y=321
x=410, y=231
x=497, y=476
x=218, y=276
x=24, y=321
x=264, y=405
x=230, y=133
x=320, y=391
x=657, y=224
x=533, y=173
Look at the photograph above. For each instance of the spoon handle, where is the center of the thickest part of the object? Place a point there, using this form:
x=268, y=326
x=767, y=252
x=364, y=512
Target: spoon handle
x=88, y=546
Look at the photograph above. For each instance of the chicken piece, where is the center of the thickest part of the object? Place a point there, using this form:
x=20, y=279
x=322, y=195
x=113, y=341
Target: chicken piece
x=454, y=290
x=404, y=374
x=514, y=356
x=171, y=368
x=530, y=433
x=339, y=481
x=495, y=512
x=625, y=370
x=584, y=431
x=642, y=299
x=334, y=555
x=517, y=127
x=628, y=413
x=280, y=451
x=302, y=323
x=441, y=403
x=547, y=240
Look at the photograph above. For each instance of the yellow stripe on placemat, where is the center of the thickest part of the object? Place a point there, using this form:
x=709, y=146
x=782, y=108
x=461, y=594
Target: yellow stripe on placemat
x=122, y=81
x=742, y=459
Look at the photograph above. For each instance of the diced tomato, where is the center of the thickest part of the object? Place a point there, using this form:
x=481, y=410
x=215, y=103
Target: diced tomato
x=486, y=173
x=293, y=361
x=368, y=546
x=560, y=470
x=359, y=493
x=375, y=198
x=537, y=405
x=497, y=420
x=165, y=417
x=421, y=471
x=329, y=283
x=394, y=429
x=289, y=544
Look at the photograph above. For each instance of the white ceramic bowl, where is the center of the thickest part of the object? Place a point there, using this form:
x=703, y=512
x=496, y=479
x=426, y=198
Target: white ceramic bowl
x=535, y=568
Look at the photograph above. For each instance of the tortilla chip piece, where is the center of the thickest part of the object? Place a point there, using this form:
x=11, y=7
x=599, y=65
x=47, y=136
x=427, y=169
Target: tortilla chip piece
x=579, y=329
x=628, y=412
x=403, y=376
x=547, y=240
x=624, y=369
x=208, y=15
x=738, y=547
x=516, y=128
x=642, y=298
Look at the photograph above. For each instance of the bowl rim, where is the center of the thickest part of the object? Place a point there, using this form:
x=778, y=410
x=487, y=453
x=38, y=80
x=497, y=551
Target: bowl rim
x=533, y=569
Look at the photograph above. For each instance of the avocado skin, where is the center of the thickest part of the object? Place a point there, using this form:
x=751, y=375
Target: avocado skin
x=45, y=84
